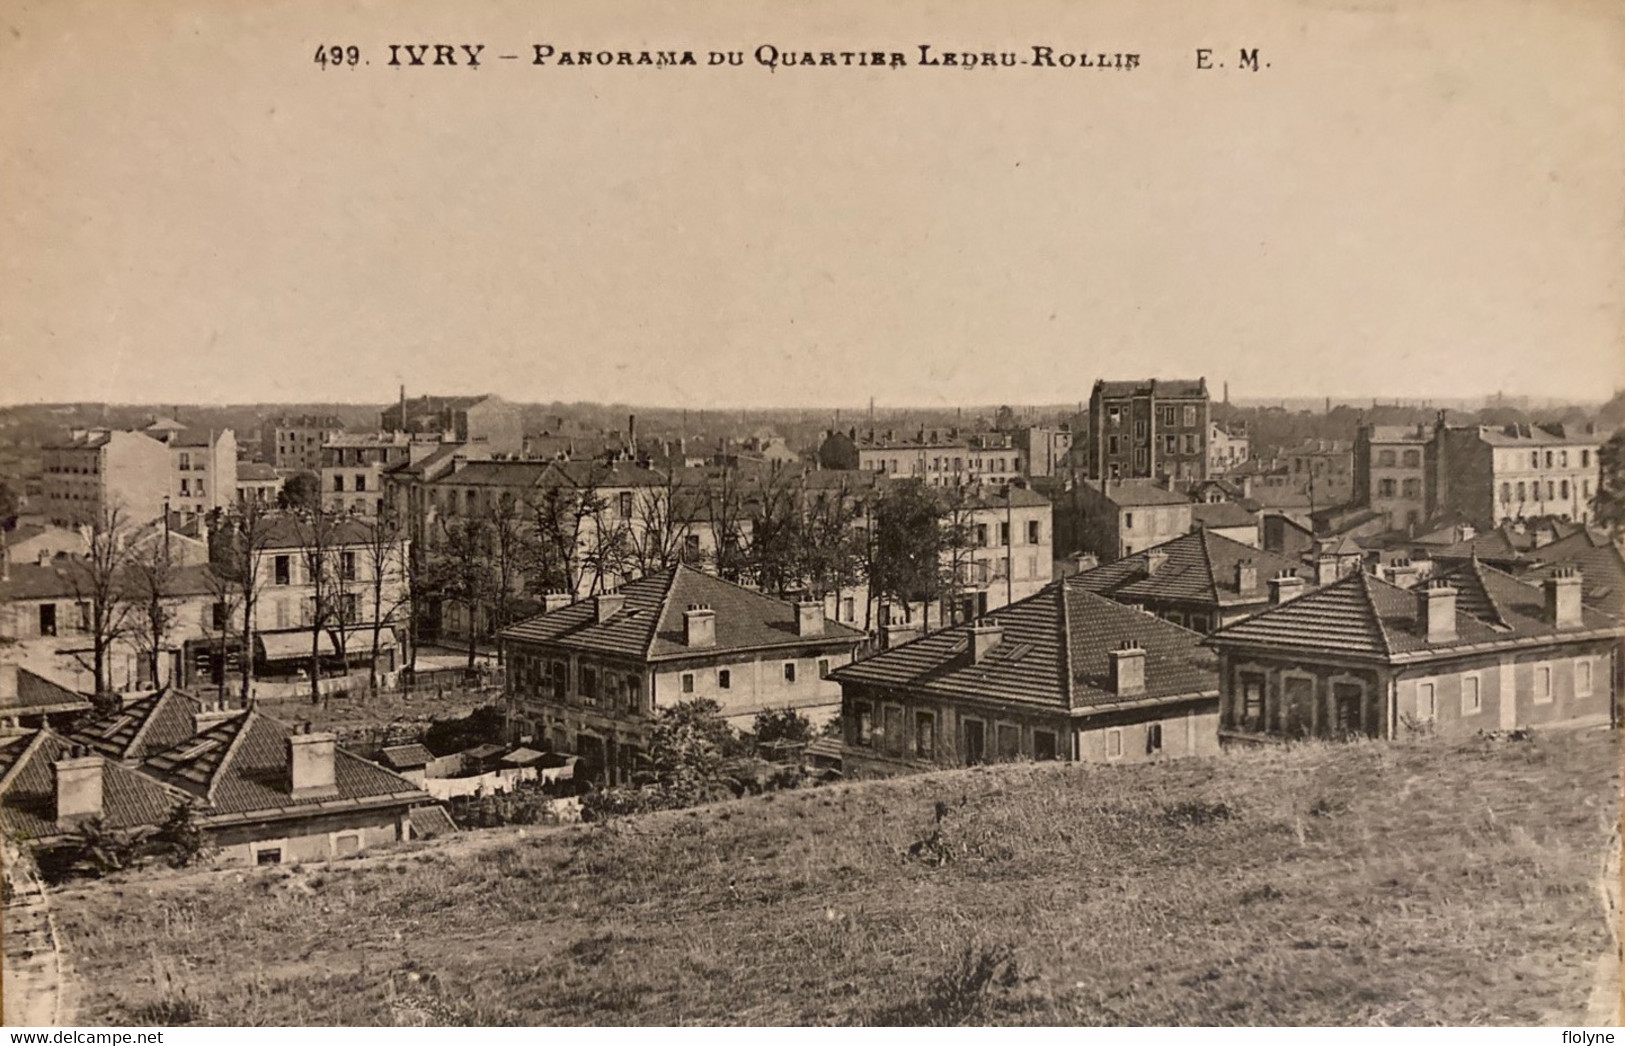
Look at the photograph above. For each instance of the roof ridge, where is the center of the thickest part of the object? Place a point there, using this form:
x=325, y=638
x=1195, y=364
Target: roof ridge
x=1495, y=604
x=660, y=612
x=248, y=718
x=146, y=721
x=1205, y=536
x=33, y=746
x=1068, y=683
x=1371, y=606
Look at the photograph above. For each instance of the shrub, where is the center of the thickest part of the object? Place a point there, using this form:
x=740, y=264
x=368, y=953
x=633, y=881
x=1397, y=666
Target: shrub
x=179, y=840
x=961, y=994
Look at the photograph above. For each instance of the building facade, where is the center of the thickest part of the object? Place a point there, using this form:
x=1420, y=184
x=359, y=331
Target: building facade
x=1062, y=675
x=294, y=442
x=1471, y=649
x=353, y=466
x=588, y=678
x=1149, y=429
x=1121, y=517
x=95, y=471
x=1489, y=474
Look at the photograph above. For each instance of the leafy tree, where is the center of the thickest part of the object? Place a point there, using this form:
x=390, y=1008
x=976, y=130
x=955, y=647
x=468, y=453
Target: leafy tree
x=907, y=558
x=687, y=748
x=1608, y=506
x=180, y=839
x=10, y=502
x=484, y=725
x=301, y=492
x=785, y=724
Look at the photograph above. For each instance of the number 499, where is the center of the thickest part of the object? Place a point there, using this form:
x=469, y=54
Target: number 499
x=336, y=55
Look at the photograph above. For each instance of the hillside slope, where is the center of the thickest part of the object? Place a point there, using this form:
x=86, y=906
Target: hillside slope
x=1369, y=883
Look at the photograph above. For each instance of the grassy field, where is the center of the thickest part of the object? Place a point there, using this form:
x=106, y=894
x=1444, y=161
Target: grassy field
x=1361, y=884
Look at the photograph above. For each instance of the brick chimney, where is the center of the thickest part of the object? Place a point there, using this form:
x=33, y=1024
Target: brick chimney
x=984, y=636
x=77, y=779
x=1155, y=560
x=1285, y=587
x=1563, y=598
x=210, y=713
x=1246, y=576
x=810, y=617
x=1437, y=621
x=310, y=763
x=1127, y=669
x=1325, y=569
x=699, y=625
x=606, y=605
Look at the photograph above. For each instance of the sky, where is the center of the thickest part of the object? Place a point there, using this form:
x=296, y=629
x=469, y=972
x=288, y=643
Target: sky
x=1420, y=200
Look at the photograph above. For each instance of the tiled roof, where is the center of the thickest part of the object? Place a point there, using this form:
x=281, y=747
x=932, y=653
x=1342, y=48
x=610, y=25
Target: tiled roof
x=142, y=727
x=1364, y=615
x=1053, y=652
x=1132, y=493
x=1200, y=568
x=649, y=625
x=1530, y=436
x=405, y=757
x=286, y=530
x=240, y=766
x=56, y=580
x=1496, y=545
x=1401, y=433
x=1601, y=566
x=37, y=695
x=431, y=820
x=28, y=789
x=1171, y=387
x=1222, y=514
x=255, y=472
x=497, y=474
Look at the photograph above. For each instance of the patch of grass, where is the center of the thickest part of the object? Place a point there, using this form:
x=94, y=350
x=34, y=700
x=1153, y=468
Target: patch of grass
x=1419, y=882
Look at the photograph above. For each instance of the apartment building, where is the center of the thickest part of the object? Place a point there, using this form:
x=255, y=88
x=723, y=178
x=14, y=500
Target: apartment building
x=1149, y=429
x=353, y=466
x=96, y=470
x=294, y=442
x=1488, y=473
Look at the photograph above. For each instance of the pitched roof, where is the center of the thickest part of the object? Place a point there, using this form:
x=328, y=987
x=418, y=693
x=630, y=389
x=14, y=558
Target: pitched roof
x=28, y=789
x=37, y=695
x=142, y=727
x=286, y=530
x=1364, y=615
x=1130, y=493
x=1222, y=514
x=240, y=767
x=255, y=472
x=1052, y=652
x=1200, y=568
x=405, y=757
x=1599, y=561
x=55, y=580
x=649, y=625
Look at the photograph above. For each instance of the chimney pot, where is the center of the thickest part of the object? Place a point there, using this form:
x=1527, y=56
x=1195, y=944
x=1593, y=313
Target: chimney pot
x=1246, y=576
x=310, y=763
x=984, y=636
x=699, y=626
x=1155, y=560
x=1437, y=622
x=1126, y=668
x=1563, y=605
x=810, y=617
x=606, y=605
x=1285, y=587
x=77, y=779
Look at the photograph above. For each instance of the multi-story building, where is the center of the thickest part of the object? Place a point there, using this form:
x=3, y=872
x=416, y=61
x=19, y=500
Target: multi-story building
x=935, y=457
x=97, y=470
x=204, y=472
x=490, y=421
x=1227, y=447
x=289, y=623
x=1064, y=674
x=294, y=442
x=588, y=678
x=1122, y=517
x=1391, y=472
x=1321, y=468
x=257, y=482
x=1473, y=649
x=1045, y=449
x=1149, y=429
x=1491, y=473
x=352, y=469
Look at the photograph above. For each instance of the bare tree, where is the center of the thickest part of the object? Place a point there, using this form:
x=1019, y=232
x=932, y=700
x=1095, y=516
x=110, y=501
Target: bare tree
x=462, y=571
x=237, y=543
x=831, y=552
x=387, y=582
x=98, y=579
x=511, y=548
x=728, y=513
x=958, y=540
x=667, y=516
x=153, y=605
x=227, y=598
x=317, y=539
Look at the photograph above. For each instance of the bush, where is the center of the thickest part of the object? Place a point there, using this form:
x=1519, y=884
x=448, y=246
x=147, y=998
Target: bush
x=608, y=803
x=962, y=993
x=179, y=840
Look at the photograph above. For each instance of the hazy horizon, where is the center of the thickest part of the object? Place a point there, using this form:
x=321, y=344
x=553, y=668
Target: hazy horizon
x=1421, y=200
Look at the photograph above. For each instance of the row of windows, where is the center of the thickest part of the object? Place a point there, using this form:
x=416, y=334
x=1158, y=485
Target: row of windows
x=595, y=686
x=1410, y=488
x=1412, y=459
x=1556, y=490
x=360, y=486
x=893, y=733
x=725, y=676
x=1472, y=687
x=282, y=568
x=940, y=464
x=1167, y=416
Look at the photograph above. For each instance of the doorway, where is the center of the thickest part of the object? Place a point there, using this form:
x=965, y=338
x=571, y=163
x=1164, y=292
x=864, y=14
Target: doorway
x=975, y=742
